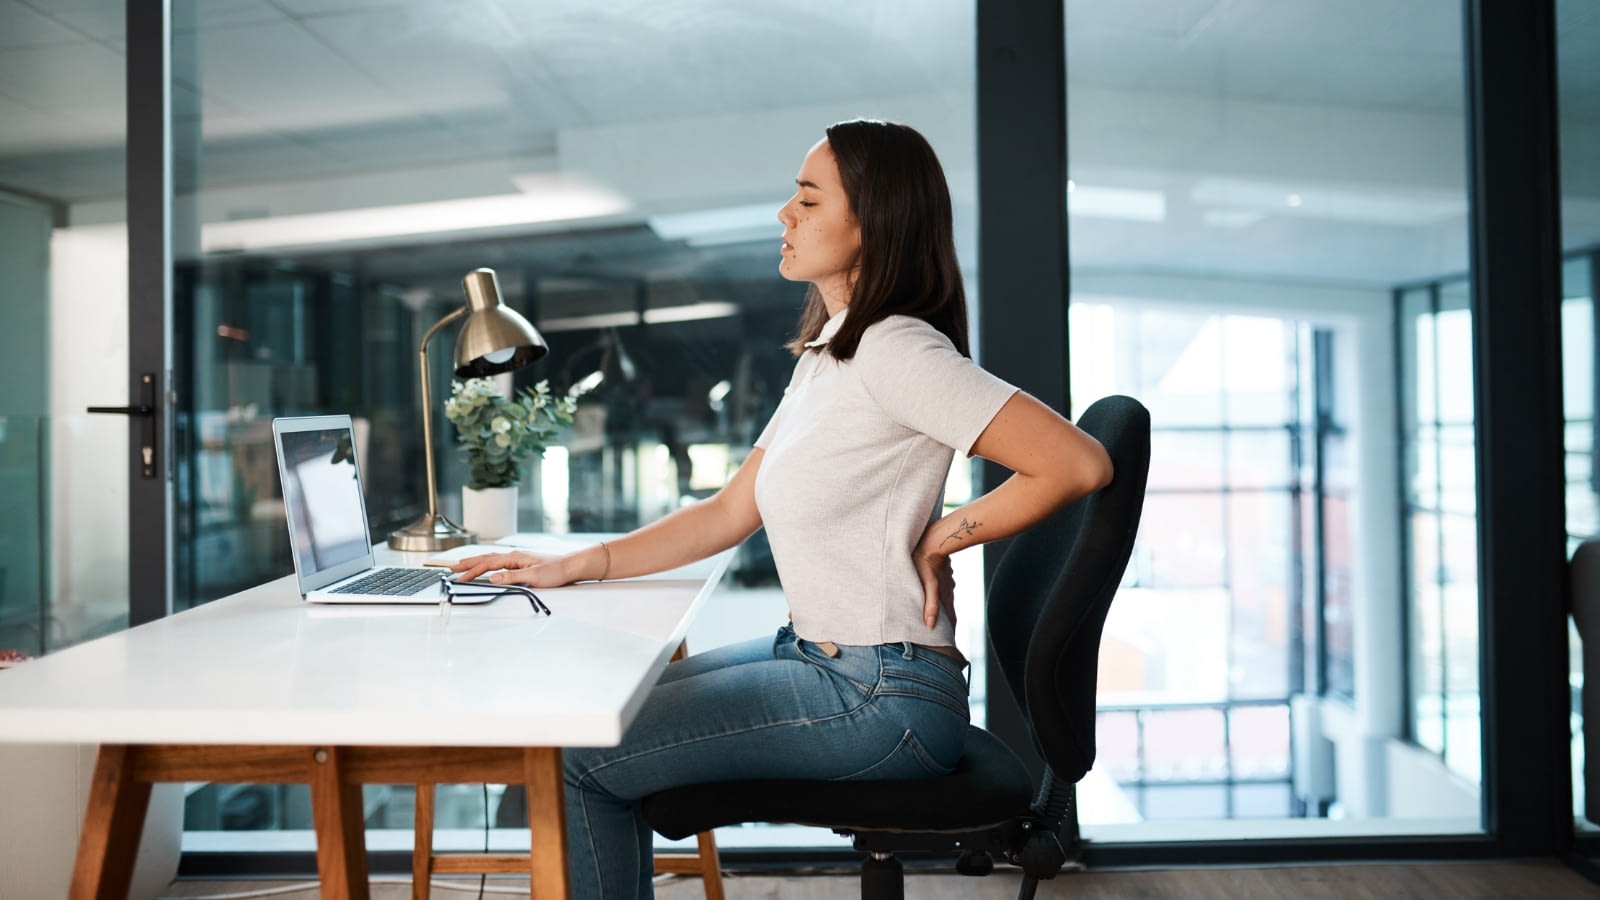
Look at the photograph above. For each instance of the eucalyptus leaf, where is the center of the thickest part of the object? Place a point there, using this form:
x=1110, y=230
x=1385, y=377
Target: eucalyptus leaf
x=533, y=419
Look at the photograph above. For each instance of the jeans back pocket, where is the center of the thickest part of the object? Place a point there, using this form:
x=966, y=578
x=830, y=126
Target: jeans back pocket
x=908, y=759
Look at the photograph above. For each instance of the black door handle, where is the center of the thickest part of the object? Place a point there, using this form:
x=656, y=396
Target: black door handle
x=147, y=411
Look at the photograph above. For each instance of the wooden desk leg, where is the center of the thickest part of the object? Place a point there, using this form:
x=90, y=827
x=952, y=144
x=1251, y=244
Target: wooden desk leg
x=422, y=842
x=710, y=866
x=547, y=820
x=341, y=835
x=112, y=825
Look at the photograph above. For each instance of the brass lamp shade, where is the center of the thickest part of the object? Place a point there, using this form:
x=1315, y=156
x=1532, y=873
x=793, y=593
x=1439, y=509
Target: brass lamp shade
x=495, y=339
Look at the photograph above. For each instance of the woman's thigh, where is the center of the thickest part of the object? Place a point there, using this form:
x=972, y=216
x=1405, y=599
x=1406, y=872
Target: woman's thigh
x=788, y=715
x=742, y=653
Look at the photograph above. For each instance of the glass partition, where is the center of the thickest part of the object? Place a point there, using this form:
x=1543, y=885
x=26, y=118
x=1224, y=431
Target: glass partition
x=1579, y=373
x=1578, y=103
x=28, y=622
x=1249, y=185
x=63, y=279
x=342, y=167
x=26, y=627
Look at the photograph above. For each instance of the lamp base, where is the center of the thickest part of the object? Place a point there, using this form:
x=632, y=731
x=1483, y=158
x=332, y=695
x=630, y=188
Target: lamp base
x=430, y=533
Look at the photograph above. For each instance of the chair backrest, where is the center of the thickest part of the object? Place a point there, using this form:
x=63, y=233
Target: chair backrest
x=1050, y=593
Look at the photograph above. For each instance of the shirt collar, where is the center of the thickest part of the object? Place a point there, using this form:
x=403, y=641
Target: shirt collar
x=829, y=329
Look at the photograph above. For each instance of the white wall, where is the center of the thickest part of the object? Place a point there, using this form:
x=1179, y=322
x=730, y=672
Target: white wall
x=1421, y=787
x=46, y=788
x=89, y=475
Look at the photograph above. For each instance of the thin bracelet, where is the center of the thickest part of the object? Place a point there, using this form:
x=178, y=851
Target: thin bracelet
x=607, y=570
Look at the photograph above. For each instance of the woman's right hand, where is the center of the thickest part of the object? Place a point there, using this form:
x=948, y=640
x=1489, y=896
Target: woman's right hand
x=518, y=567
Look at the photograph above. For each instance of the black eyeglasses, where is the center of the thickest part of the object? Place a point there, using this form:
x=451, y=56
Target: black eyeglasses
x=449, y=590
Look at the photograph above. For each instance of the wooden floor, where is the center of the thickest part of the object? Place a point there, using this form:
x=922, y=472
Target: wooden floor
x=1354, y=881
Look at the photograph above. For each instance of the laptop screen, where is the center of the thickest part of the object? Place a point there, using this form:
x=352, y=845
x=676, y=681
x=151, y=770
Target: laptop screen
x=322, y=496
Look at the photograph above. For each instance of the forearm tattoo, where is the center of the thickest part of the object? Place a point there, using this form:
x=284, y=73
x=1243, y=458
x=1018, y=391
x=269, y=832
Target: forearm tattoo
x=963, y=530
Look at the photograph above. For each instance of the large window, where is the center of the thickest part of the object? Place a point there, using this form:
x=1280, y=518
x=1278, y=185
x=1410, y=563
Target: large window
x=1441, y=523
x=1436, y=403
x=1208, y=644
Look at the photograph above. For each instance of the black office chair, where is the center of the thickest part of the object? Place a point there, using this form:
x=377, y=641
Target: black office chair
x=1046, y=609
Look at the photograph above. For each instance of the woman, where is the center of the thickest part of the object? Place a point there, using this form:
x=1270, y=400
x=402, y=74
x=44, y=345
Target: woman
x=847, y=478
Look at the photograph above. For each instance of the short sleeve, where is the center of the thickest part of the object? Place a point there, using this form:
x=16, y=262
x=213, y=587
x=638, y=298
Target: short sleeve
x=806, y=360
x=921, y=381
x=767, y=433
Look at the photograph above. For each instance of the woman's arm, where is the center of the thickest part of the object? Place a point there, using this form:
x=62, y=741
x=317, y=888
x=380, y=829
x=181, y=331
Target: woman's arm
x=691, y=533
x=1053, y=463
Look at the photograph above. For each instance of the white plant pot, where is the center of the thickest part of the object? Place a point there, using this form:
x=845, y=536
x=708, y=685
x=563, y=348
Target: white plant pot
x=489, y=513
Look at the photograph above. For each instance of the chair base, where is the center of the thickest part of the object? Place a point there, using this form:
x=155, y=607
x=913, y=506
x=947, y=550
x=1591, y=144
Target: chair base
x=1027, y=843
x=882, y=878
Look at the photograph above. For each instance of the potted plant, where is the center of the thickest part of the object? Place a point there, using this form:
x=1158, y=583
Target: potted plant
x=497, y=434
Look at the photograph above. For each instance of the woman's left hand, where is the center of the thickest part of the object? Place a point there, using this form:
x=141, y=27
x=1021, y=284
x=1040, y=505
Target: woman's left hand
x=938, y=586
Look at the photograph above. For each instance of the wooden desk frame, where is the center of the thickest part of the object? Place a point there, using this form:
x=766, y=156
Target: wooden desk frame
x=120, y=795
x=307, y=711
x=703, y=863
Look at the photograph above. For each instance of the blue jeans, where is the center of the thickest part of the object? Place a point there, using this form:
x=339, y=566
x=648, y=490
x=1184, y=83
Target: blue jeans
x=768, y=708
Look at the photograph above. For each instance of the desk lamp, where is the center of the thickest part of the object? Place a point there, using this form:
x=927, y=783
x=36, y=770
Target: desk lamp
x=494, y=340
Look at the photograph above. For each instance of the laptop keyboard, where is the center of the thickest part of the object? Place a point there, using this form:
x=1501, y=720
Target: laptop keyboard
x=392, y=581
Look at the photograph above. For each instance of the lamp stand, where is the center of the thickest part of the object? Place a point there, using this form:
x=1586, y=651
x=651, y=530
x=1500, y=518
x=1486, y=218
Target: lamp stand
x=432, y=531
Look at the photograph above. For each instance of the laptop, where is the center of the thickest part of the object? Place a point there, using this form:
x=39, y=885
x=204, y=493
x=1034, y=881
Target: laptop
x=328, y=534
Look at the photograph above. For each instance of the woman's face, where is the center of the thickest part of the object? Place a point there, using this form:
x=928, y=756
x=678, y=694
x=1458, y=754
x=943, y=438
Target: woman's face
x=821, y=238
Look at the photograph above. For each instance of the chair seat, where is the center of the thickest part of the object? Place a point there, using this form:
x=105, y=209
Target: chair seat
x=988, y=786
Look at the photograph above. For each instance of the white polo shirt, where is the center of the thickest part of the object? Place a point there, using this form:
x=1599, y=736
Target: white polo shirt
x=853, y=473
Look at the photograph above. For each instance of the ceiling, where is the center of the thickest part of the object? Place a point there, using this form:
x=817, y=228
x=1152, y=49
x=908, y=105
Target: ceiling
x=1319, y=141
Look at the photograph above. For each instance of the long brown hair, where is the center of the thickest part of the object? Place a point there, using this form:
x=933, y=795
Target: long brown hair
x=907, y=265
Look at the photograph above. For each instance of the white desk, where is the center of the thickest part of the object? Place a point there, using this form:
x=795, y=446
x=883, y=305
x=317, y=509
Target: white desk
x=261, y=687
